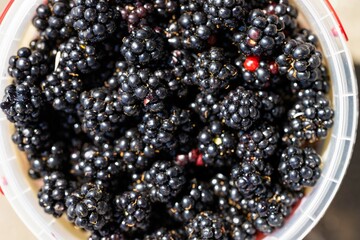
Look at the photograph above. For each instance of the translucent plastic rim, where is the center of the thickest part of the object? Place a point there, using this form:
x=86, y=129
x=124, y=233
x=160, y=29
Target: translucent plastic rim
x=311, y=208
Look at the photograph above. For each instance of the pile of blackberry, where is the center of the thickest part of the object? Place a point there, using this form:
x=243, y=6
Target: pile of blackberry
x=170, y=119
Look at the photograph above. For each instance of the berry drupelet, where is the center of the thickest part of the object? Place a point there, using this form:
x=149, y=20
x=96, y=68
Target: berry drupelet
x=272, y=106
x=299, y=168
x=94, y=20
x=206, y=225
x=206, y=105
x=53, y=193
x=22, y=103
x=260, y=142
x=240, y=109
x=300, y=61
x=28, y=66
x=164, y=180
x=136, y=209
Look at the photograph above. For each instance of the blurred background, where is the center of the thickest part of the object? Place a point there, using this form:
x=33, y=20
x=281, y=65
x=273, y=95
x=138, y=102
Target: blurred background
x=342, y=219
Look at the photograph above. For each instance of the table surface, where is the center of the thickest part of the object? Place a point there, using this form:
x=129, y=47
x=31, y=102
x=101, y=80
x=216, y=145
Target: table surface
x=341, y=221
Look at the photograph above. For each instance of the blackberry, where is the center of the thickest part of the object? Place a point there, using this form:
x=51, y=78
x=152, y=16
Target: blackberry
x=225, y=13
x=206, y=225
x=299, y=168
x=165, y=8
x=197, y=197
x=260, y=142
x=32, y=137
x=28, y=66
x=100, y=113
x=49, y=19
x=93, y=20
x=207, y=106
x=144, y=45
x=135, y=155
x=262, y=35
x=272, y=106
x=62, y=90
x=212, y=71
x=310, y=118
x=306, y=35
x=164, y=234
x=136, y=210
x=220, y=185
x=109, y=232
x=136, y=14
x=53, y=193
x=286, y=13
x=300, y=61
x=45, y=46
x=22, y=103
x=321, y=84
x=240, y=109
x=181, y=62
x=239, y=227
x=216, y=145
x=88, y=207
x=79, y=57
x=164, y=180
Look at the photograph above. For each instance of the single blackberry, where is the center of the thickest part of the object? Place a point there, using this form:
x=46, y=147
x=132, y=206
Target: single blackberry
x=89, y=207
x=212, y=71
x=306, y=35
x=206, y=225
x=62, y=90
x=53, y=193
x=32, y=137
x=165, y=8
x=181, y=62
x=260, y=142
x=164, y=234
x=257, y=73
x=136, y=13
x=272, y=106
x=135, y=155
x=249, y=181
x=300, y=61
x=22, y=103
x=262, y=35
x=45, y=46
x=110, y=231
x=136, y=210
x=240, y=109
x=143, y=46
x=286, y=13
x=238, y=226
x=197, y=198
x=216, y=145
x=79, y=57
x=94, y=20
x=100, y=113
x=220, y=185
x=28, y=66
x=49, y=19
x=225, y=13
x=321, y=84
x=310, y=118
x=164, y=180
x=207, y=106
x=299, y=168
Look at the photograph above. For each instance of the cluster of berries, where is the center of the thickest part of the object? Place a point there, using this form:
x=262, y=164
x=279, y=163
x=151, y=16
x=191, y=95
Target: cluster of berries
x=170, y=119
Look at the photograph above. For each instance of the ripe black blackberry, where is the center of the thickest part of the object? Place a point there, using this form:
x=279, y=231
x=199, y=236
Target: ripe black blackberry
x=305, y=35
x=164, y=180
x=286, y=13
x=49, y=19
x=45, y=46
x=260, y=142
x=240, y=109
x=262, y=77
x=299, y=168
x=22, y=103
x=32, y=137
x=272, y=106
x=136, y=13
x=300, y=61
x=213, y=71
x=263, y=34
x=53, y=193
x=225, y=13
x=135, y=155
x=77, y=56
x=198, y=197
x=206, y=225
x=165, y=8
x=321, y=84
x=238, y=226
x=310, y=118
x=93, y=20
x=181, y=63
x=89, y=207
x=144, y=45
x=110, y=231
x=28, y=66
x=62, y=90
x=164, y=234
x=100, y=113
x=216, y=144
x=207, y=106
x=220, y=185
x=136, y=210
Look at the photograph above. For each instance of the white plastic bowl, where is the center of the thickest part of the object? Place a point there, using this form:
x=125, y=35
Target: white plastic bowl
x=15, y=32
